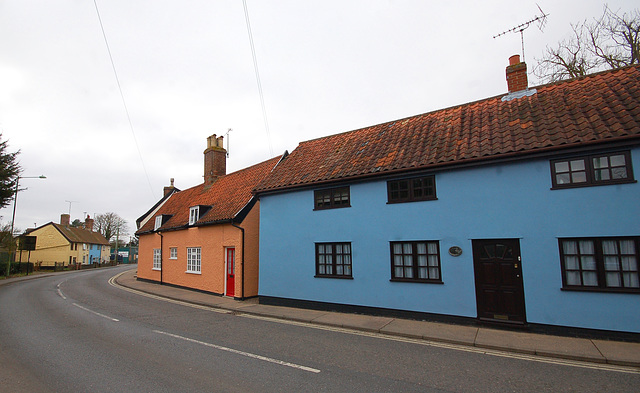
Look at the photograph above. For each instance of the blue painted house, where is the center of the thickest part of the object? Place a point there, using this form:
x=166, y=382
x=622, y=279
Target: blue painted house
x=519, y=209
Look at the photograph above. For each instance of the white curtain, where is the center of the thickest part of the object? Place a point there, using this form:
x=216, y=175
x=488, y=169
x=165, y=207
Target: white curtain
x=611, y=263
x=571, y=263
x=629, y=264
x=397, y=260
x=588, y=263
x=422, y=260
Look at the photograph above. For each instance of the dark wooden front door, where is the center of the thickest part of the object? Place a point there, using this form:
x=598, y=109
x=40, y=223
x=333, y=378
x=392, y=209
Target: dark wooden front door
x=499, y=285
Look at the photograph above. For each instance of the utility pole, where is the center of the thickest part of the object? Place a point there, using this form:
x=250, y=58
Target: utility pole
x=117, y=235
x=13, y=219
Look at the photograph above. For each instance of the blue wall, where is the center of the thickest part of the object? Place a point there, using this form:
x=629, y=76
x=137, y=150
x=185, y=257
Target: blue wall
x=506, y=201
x=94, y=253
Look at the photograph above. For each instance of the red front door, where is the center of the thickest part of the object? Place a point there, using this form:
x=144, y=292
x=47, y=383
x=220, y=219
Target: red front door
x=231, y=271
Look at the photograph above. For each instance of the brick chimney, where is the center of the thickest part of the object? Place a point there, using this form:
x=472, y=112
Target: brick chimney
x=167, y=189
x=215, y=160
x=516, y=74
x=65, y=219
x=88, y=223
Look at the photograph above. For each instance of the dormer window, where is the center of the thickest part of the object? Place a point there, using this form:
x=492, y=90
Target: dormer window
x=158, y=223
x=194, y=215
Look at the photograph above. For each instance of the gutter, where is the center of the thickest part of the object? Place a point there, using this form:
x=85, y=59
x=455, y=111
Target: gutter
x=161, y=267
x=242, y=259
x=187, y=226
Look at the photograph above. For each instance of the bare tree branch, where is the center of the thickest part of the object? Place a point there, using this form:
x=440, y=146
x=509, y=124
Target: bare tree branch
x=612, y=41
x=110, y=224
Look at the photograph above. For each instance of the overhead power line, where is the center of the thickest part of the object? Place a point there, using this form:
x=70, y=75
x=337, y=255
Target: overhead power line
x=124, y=102
x=255, y=66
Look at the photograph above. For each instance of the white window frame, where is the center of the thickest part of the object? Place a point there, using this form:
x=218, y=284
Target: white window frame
x=173, y=253
x=194, y=214
x=157, y=259
x=158, y=223
x=194, y=260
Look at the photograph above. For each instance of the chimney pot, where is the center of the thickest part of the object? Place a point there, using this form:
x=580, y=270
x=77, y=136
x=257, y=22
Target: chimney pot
x=167, y=189
x=88, y=223
x=215, y=160
x=516, y=74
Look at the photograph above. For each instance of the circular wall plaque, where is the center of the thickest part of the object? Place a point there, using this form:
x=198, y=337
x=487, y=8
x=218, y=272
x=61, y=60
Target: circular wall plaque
x=455, y=251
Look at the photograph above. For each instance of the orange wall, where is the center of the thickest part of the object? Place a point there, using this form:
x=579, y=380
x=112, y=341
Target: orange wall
x=212, y=240
x=251, y=225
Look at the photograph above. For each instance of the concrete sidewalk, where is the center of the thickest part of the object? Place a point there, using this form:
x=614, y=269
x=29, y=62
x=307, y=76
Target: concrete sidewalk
x=579, y=349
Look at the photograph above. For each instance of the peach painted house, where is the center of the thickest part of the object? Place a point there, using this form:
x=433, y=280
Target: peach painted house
x=206, y=237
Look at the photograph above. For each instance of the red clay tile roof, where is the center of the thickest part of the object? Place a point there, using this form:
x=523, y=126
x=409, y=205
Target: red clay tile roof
x=597, y=108
x=227, y=197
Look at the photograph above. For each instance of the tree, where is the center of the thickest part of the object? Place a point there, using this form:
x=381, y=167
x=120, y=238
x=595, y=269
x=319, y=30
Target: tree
x=110, y=224
x=612, y=41
x=9, y=171
x=7, y=248
x=77, y=223
x=7, y=242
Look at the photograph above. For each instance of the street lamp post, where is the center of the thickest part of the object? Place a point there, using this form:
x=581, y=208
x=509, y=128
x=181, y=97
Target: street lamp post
x=13, y=218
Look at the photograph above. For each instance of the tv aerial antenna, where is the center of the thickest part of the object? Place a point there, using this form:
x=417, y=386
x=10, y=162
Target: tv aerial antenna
x=70, y=202
x=541, y=19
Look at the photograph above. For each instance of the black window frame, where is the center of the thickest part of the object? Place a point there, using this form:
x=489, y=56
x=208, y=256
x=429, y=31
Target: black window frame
x=589, y=171
x=415, y=266
x=411, y=188
x=334, y=260
x=600, y=269
x=330, y=195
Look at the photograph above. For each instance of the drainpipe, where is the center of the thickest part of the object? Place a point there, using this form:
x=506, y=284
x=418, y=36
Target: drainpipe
x=242, y=260
x=161, y=267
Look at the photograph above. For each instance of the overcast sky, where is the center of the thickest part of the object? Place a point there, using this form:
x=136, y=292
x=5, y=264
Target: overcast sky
x=186, y=72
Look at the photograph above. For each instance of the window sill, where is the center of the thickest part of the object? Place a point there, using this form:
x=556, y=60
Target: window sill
x=584, y=185
x=330, y=208
x=410, y=201
x=173, y=258
x=192, y=272
x=333, y=276
x=602, y=290
x=156, y=269
x=416, y=281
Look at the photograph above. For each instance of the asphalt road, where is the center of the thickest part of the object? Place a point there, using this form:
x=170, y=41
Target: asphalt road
x=74, y=332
